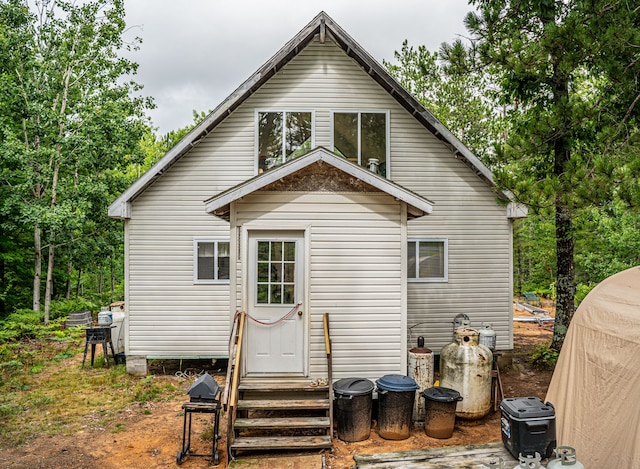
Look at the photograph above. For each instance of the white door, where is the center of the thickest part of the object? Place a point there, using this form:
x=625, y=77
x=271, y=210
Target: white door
x=275, y=329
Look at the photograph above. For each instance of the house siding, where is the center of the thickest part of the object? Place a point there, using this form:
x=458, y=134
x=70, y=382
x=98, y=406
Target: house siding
x=354, y=274
x=170, y=316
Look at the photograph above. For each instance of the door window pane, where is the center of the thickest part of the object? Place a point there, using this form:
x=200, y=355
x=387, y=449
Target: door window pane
x=275, y=272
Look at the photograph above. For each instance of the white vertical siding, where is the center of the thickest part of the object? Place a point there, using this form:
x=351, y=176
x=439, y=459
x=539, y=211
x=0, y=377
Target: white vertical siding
x=170, y=316
x=355, y=274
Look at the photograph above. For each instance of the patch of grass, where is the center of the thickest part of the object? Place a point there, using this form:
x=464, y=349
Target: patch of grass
x=63, y=398
x=120, y=427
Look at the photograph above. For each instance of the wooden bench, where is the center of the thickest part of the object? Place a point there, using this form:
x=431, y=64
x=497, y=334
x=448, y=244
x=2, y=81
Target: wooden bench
x=532, y=298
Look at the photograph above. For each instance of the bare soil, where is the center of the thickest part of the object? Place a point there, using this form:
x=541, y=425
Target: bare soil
x=150, y=435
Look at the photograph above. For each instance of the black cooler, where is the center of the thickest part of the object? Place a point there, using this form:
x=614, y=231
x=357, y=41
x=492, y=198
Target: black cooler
x=528, y=426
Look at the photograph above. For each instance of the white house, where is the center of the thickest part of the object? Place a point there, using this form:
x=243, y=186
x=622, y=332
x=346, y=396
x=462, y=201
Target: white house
x=319, y=186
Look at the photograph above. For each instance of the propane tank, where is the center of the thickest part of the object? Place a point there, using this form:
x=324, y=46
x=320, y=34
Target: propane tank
x=465, y=366
x=565, y=458
x=421, y=370
x=488, y=336
x=460, y=321
x=530, y=462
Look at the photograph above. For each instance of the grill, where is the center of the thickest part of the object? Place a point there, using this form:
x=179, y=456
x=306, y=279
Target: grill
x=204, y=398
x=205, y=389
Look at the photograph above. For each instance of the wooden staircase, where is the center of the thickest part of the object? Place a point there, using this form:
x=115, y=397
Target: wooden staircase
x=282, y=415
x=276, y=414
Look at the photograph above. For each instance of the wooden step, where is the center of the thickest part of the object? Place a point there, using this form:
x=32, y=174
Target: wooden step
x=280, y=386
x=282, y=422
x=283, y=404
x=281, y=442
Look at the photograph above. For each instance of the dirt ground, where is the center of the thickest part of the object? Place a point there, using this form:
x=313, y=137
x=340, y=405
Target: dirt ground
x=150, y=435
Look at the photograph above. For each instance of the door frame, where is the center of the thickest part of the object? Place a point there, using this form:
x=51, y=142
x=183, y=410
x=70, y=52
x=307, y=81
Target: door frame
x=268, y=229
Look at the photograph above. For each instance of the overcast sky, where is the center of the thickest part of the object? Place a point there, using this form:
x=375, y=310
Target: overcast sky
x=196, y=52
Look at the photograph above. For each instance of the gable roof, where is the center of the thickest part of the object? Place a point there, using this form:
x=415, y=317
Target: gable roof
x=322, y=25
x=417, y=205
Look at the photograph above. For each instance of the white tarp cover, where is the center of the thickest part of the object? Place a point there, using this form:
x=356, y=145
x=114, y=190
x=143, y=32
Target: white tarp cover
x=595, y=387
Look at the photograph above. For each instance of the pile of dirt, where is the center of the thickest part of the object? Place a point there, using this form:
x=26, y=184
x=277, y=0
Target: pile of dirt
x=150, y=435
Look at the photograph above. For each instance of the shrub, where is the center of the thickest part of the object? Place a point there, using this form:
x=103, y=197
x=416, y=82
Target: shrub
x=543, y=357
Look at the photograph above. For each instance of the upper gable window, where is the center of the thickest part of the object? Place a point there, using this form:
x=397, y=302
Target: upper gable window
x=282, y=136
x=362, y=137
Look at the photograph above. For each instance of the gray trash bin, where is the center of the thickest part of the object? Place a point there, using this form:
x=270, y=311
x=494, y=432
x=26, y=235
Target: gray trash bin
x=353, y=398
x=396, y=394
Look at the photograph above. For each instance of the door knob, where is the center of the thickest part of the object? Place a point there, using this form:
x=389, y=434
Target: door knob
x=299, y=313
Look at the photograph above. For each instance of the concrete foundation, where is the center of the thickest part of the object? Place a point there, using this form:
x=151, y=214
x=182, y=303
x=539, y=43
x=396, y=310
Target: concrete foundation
x=137, y=365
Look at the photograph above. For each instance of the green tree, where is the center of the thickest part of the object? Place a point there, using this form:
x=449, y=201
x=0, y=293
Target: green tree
x=572, y=67
x=70, y=117
x=459, y=94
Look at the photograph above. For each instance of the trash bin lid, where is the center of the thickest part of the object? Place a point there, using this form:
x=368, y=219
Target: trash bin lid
x=353, y=386
x=397, y=383
x=441, y=394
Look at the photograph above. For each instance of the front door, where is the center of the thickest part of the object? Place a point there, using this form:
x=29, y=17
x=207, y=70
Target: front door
x=275, y=329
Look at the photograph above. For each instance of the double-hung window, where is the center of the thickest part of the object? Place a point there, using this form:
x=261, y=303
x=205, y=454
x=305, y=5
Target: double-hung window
x=282, y=136
x=427, y=260
x=211, y=261
x=363, y=138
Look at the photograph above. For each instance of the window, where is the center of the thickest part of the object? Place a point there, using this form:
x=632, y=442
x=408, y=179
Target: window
x=276, y=272
x=211, y=261
x=362, y=137
x=282, y=136
x=427, y=260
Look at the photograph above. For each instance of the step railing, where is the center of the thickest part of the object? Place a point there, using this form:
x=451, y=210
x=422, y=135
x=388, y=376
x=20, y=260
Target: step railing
x=327, y=346
x=230, y=397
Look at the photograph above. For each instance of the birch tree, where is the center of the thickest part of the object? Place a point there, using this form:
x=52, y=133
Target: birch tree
x=71, y=115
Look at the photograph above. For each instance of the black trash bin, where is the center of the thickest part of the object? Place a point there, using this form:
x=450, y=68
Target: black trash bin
x=440, y=411
x=353, y=408
x=396, y=394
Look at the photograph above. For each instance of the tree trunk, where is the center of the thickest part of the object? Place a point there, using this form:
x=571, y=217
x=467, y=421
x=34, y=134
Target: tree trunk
x=67, y=294
x=48, y=291
x=37, y=271
x=78, y=283
x=565, y=285
x=565, y=282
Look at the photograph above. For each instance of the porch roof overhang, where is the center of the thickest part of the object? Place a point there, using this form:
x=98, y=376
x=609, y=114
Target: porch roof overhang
x=220, y=204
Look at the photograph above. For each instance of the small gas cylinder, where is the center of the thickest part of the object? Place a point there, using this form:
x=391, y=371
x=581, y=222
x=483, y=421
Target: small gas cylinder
x=465, y=366
x=487, y=336
x=565, y=458
x=530, y=462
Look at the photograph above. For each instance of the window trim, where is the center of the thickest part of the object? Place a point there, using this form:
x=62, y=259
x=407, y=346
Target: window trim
x=209, y=281
x=256, y=130
x=360, y=111
x=417, y=279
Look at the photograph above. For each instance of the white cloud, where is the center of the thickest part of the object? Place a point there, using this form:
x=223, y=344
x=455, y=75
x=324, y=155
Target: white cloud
x=196, y=52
